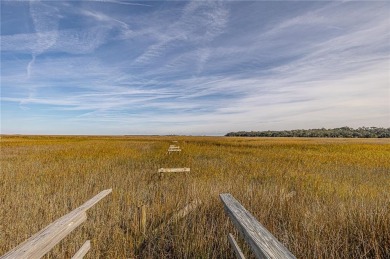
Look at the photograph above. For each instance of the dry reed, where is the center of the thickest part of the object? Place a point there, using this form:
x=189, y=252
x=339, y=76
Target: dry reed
x=322, y=198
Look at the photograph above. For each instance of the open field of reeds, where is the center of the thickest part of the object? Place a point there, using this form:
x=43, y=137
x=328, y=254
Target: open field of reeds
x=322, y=198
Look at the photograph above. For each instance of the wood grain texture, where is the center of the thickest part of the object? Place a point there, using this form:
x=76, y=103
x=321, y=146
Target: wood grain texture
x=44, y=240
x=83, y=250
x=236, y=248
x=261, y=241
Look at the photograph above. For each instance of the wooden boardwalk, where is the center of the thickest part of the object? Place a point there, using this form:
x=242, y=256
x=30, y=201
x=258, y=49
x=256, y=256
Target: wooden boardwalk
x=260, y=240
x=262, y=243
x=174, y=148
x=43, y=241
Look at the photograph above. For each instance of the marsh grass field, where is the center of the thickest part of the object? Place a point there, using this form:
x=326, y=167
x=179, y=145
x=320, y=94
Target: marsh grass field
x=322, y=198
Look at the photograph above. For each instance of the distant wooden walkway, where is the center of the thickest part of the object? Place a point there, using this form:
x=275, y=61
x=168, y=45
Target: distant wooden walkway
x=174, y=148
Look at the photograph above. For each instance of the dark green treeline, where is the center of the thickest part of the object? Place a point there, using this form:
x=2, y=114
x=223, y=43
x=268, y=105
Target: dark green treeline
x=343, y=132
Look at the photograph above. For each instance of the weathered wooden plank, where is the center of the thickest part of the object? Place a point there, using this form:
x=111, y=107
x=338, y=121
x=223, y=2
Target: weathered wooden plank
x=83, y=250
x=44, y=240
x=88, y=204
x=237, y=250
x=174, y=170
x=174, y=150
x=261, y=241
x=182, y=213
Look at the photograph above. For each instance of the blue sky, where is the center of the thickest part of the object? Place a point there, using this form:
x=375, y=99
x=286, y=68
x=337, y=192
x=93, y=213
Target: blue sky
x=193, y=67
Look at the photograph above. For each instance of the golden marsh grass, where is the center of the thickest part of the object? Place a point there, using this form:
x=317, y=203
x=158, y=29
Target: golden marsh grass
x=322, y=198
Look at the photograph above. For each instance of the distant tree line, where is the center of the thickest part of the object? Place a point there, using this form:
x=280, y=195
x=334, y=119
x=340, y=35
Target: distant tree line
x=343, y=132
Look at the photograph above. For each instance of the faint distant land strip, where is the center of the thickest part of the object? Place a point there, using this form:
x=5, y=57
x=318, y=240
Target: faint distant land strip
x=43, y=241
x=343, y=132
x=260, y=240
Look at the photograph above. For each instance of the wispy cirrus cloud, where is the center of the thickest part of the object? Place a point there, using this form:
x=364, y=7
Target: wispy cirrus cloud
x=198, y=67
x=211, y=16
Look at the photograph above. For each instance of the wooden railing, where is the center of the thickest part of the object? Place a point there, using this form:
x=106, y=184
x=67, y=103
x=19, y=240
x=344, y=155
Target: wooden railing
x=43, y=241
x=262, y=243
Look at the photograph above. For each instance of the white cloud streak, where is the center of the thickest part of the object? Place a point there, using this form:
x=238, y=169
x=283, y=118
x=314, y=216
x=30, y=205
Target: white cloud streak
x=193, y=70
x=211, y=16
